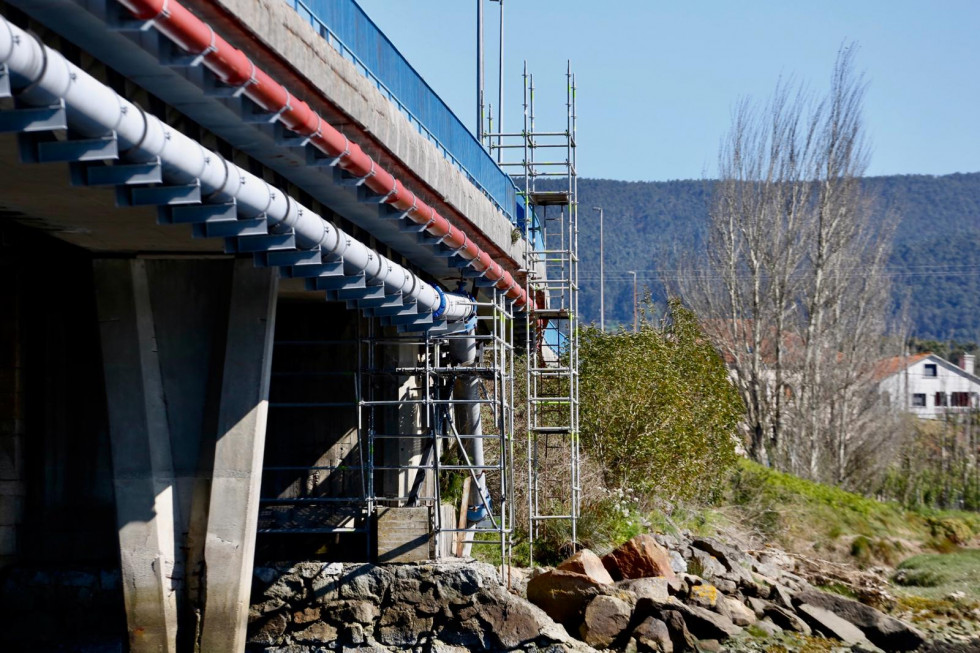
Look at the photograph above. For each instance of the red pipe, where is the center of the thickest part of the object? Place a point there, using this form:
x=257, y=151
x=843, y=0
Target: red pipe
x=234, y=68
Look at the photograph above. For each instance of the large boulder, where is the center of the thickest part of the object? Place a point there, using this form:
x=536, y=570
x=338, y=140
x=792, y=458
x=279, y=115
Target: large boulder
x=735, y=562
x=681, y=638
x=736, y=611
x=653, y=589
x=588, y=563
x=652, y=636
x=563, y=595
x=639, y=557
x=787, y=619
x=605, y=620
x=829, y=624
x=883, y=631
x=705, y=624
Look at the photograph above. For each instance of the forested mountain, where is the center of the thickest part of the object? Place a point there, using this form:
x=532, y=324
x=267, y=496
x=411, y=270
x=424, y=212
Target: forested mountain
x=649, y=226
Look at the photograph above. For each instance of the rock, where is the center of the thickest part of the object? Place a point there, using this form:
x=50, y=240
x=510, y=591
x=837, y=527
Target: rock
x=518, y=578
x=287, y=588
x=515, y=623
x=588, y=563
x=787, y=620
x=677, y=562
x=652, y=636
x=829, y=624
x=703, y=595
x=318, y=633
x=758, y=606
x=724, y=585
x=265, y=607
x=639, y=557
x=268, y=631
x=768, y=627
x=736, y=611
x=883, y=631
x=362, y=581
x=606, y=617
x=781, y=596
x=680, y=637
x=307, y=615
x=710, y=645
x=361, y=612
x=734, y=561
x=708, y=566
x=563, y=595
x=401, y=626
x=653, y=589
x=705, y=624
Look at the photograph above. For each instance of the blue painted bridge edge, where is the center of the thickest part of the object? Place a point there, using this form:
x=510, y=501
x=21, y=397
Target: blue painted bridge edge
x=345, y=26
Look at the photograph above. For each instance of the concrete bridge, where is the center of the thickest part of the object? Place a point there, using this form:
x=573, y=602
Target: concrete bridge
x=182, y=185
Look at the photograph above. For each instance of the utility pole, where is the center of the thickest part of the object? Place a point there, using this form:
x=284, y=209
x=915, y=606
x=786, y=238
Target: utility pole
x=636, y=322
x=602, y=275
x=479, y=71
x=500, y=84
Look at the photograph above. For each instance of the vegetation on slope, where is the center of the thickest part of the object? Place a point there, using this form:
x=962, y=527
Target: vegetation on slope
x=934, y=263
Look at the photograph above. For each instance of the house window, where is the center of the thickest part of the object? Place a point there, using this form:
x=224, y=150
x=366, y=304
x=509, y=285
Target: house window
x=919, y=399
x=942, y=399
x=961, y=399
x=930, y=370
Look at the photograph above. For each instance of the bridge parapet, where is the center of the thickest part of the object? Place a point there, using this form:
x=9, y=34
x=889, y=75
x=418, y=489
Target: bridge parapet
x=367, y=105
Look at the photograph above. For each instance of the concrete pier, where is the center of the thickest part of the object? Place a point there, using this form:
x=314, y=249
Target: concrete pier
x=186, y=353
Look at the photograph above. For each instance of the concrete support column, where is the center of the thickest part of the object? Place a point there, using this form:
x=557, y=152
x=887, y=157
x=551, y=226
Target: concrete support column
x=11, y=417
x=141, y=458
x=187, y=347
x=229, y=549
x=405, y=419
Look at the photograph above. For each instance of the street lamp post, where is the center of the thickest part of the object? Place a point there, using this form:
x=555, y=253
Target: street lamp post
x=602, y=276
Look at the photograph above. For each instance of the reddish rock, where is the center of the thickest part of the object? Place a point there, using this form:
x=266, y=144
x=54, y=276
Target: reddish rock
x=563, y=595
x=640, y=557
x=588, y=563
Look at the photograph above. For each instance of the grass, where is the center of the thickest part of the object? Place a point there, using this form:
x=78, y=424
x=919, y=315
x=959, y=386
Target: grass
x=838, y=523
x=939, y=575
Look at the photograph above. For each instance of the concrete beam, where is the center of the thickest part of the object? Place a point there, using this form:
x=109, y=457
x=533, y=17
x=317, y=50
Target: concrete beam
x=229, y=549
x=141, y=457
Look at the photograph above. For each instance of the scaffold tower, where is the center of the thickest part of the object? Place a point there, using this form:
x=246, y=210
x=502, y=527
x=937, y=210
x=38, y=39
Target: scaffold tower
x=431, y=423
x=548, y=185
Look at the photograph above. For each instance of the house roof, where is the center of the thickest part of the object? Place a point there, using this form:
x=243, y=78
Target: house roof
x=891, y=366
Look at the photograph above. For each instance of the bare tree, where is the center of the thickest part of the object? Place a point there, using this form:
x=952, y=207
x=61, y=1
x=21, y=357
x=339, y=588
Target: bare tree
x=792, y=288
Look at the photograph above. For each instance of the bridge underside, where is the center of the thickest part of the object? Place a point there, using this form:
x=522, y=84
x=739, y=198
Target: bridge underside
x=137, y=355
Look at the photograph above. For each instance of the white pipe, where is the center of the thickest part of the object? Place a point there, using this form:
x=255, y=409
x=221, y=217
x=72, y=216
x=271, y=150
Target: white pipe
x=44, y=77
x=465, y=352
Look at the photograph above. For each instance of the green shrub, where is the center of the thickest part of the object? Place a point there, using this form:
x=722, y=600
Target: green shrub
x=658, y=409
x=957, y=531
x=917, y=578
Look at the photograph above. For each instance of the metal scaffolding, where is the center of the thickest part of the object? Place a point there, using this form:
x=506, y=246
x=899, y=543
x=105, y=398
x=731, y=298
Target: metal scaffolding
x=549, y=189
x=399, y=432
x=413, y=397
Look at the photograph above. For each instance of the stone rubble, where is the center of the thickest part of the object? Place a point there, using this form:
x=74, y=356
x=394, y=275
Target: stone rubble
x=645, y=597
x=448, y=607
x=657, y=606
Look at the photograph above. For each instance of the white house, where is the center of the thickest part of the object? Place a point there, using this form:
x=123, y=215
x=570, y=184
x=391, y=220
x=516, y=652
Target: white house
x=929, y=386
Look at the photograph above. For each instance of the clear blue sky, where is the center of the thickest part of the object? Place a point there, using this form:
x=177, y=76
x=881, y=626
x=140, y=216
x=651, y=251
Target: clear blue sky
x=657, y=81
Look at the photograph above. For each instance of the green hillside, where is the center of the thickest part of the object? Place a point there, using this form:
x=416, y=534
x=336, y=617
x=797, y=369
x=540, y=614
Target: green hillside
x=649, y=226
